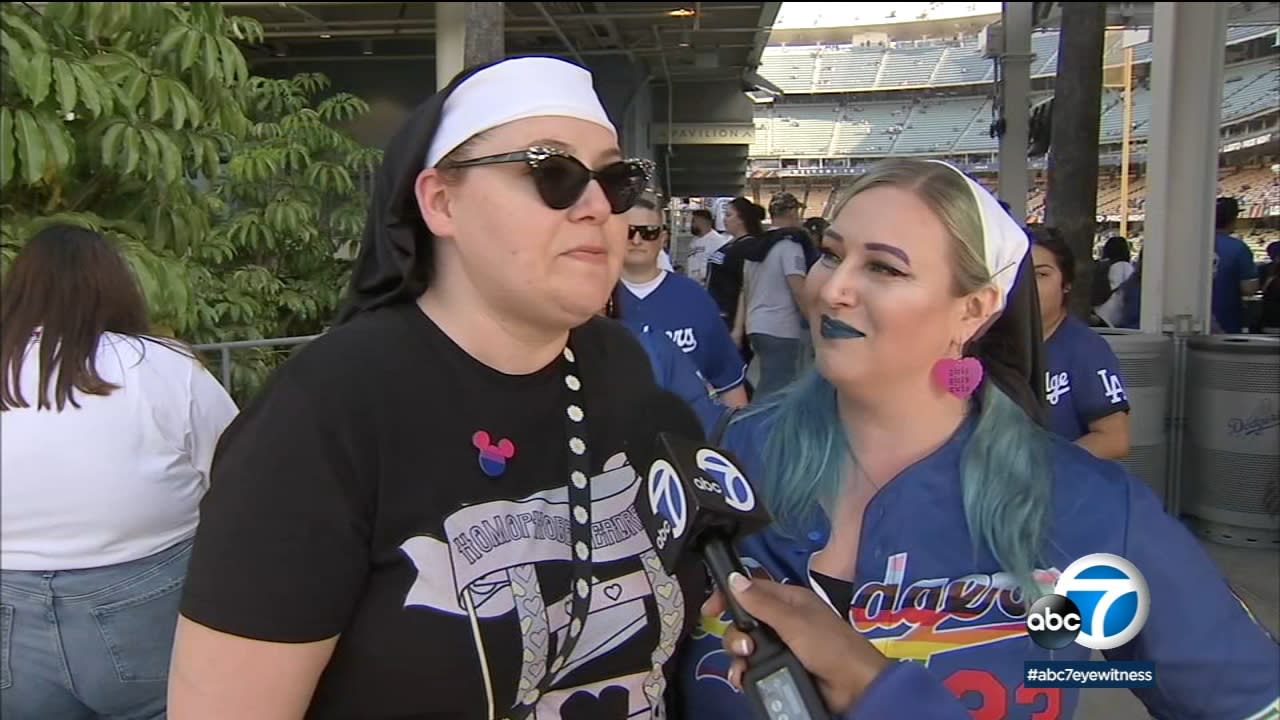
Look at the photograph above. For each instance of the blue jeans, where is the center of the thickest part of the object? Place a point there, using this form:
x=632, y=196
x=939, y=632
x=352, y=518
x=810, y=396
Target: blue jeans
x=779, y=361
x=90, y=643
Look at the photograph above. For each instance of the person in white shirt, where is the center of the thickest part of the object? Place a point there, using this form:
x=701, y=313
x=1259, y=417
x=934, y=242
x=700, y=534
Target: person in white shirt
x=664, y=261
x=772, y=307
x=109, y=435
x=1109, y=304
x=706, y=240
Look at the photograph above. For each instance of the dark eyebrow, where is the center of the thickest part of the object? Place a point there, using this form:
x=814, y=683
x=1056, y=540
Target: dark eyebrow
x=894, y=251
x=831, y=233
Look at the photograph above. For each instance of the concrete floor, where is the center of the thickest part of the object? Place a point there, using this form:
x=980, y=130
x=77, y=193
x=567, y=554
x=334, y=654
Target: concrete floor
x=1254, y=574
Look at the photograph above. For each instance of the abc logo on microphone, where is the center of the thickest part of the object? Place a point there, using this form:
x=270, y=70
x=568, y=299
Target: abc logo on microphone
x=668, y=502
x=729, y=480
x=1100, y=602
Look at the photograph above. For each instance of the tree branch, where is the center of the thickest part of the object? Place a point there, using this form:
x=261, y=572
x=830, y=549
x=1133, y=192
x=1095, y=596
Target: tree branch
x=89, y=194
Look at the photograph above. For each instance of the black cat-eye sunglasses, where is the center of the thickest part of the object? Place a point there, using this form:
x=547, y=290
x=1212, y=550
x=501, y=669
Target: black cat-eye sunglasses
x=561, y=178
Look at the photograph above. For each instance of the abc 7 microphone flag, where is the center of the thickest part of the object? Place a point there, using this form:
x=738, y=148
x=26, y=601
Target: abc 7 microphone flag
x=1100, y=602
x=667, y=499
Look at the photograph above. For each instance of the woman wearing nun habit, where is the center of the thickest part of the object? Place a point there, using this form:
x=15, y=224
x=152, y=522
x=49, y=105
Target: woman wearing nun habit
x=920, y=506
x=428, y=511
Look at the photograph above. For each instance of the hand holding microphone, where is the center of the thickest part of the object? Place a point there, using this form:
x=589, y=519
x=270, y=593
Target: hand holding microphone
x=694, y=499
x=841, y=660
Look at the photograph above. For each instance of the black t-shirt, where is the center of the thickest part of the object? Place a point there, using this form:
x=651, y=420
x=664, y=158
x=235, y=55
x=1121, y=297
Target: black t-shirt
x=355, y=497
x=724, y=277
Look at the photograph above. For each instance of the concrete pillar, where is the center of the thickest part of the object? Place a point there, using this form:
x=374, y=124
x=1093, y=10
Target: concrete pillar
x=1073, y=174
x=1015, y=77
x=467, y=33
x=1182, y=163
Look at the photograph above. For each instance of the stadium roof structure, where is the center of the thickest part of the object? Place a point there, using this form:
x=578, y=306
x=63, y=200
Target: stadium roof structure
x=1047, y=16
x=704, y=40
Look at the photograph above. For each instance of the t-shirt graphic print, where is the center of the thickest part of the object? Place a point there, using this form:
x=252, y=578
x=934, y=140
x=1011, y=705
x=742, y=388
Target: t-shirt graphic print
x=488, y=569
x=357, y=498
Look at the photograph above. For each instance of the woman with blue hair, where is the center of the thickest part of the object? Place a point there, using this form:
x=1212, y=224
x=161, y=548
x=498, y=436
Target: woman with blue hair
x=920, y=507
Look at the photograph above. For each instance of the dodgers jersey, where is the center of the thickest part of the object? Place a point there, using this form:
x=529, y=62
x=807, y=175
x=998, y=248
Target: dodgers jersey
x=675, y=373
x=1083, y=382
x=683, y=310
x=925, y=596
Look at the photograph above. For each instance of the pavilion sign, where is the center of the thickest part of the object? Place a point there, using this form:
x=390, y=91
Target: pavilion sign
x=704, y=134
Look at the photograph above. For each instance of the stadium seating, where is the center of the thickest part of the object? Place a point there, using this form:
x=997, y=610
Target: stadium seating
x=933, y=126
x=805, y=69
x=960, y=65
x=1251, y=88
x=919, y=125
x=869, y=128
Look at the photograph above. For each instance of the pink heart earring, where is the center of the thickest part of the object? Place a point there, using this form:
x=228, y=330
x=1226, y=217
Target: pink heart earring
x=958, y=376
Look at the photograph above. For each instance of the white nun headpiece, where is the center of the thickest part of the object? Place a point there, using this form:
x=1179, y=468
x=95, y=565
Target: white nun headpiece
x=512, y=90
x=1004, y=242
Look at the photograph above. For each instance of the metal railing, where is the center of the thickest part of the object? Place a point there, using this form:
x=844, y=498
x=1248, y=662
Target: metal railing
x=224, y=350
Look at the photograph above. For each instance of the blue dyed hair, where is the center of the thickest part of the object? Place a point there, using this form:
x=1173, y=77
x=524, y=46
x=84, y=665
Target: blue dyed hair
x=1004, y=476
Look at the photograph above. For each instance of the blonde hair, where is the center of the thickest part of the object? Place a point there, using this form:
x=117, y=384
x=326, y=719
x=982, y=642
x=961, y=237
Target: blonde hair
x=1005, y=478
x=948, y=194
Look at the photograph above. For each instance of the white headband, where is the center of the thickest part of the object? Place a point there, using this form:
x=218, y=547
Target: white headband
x=513, y=90
x=1003, y=241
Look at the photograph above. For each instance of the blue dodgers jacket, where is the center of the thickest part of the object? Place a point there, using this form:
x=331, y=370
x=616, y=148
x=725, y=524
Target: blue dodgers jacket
x=676, y=373
x=924, y=595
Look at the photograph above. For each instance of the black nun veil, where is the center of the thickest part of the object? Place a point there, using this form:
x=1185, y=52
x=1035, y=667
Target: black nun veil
x=395, y=259
x=1012, y=349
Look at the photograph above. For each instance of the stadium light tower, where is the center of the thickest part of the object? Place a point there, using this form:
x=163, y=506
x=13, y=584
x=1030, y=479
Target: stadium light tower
x=1015, y=80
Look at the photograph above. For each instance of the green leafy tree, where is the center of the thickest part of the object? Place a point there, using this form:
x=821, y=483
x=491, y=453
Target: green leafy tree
x=235, y=197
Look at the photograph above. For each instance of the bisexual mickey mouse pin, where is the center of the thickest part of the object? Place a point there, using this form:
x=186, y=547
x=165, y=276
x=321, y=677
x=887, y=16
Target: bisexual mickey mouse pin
x=493, y=456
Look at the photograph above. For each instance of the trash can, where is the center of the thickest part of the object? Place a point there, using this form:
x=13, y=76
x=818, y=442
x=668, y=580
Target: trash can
x=1146, y=366
x=1231, y=450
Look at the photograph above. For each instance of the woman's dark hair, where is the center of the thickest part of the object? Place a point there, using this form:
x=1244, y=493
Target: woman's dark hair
x=70, y=285
x=816, y=226
x=751, y=215
x=1225, y=212
x=1116, y=250
x=1050, y=239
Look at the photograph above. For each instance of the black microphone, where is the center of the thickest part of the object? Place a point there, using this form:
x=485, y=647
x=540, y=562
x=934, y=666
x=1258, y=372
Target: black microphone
x=694, y=498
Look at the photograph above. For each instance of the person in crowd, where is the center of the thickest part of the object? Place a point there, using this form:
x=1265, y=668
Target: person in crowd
x=771, y=306
x=427, y=511
x=915, y=496
x=673, y=371
x=109, y=432
x=1269, y=313
x=1131, y=315
x=706, y=240
x=1083, y=385
x=664, y=260
x=676, y=305
x=744, y=220
x=1234, y=273
x=816, y=227
x=1112, y=270
x=1272, y=252
x=786, y=212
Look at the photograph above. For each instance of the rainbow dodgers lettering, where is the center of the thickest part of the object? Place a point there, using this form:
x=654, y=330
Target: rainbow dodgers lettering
x=934, y=621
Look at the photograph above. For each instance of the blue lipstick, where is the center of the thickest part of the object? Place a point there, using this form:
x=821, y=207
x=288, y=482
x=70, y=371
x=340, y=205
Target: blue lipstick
x=833, y=329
